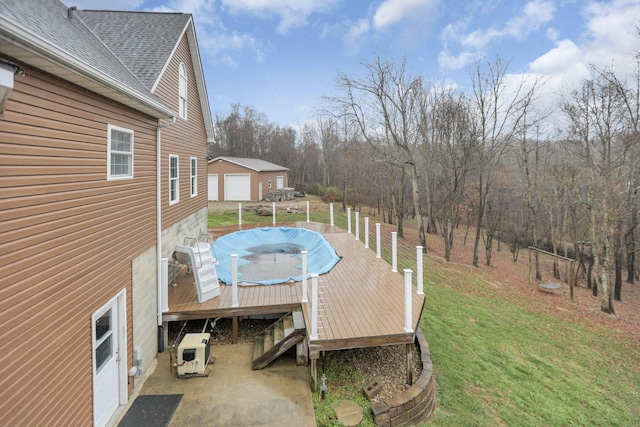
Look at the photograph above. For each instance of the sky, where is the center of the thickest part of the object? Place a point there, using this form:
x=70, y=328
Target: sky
x=281, y=57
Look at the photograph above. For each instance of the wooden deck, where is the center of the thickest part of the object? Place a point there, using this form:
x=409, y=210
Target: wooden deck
x=361, y=301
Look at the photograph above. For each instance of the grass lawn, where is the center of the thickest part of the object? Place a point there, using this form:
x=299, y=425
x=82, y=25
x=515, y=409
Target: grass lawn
x=502, y=363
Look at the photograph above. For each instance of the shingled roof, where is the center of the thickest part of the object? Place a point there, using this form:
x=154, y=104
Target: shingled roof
x=257, y=165
x=143, y=41
x=120, y=55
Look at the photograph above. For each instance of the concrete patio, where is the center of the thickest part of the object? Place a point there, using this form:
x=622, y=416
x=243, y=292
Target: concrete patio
x=234, y=395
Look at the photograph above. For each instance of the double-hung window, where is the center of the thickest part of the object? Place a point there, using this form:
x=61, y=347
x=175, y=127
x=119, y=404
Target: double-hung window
x=182, y=92
x=193, y=175
x=174, y=171
x=119, y=153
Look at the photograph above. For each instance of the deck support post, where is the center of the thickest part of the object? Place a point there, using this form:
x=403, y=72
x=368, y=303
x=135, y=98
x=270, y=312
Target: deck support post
x=307, y=211
x=394, y=251
x=234, y=280
x=314, y=307
x=314, y=371
x=234, y=330
x=366, y=232
x=408, y=307
x=240, y=215
x=274, y=213
x=304, y=276
x=409, y=377
x=349, y=220
x=357, y=225
x=419, y=275
x=331, y=213
x=378, y=240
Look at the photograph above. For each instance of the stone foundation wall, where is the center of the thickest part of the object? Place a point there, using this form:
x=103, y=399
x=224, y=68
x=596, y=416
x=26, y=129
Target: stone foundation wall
x=416, y=404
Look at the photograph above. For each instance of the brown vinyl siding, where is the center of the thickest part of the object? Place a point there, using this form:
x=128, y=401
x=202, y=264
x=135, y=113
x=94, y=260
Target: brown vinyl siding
x=67, y=239
x=185, y=138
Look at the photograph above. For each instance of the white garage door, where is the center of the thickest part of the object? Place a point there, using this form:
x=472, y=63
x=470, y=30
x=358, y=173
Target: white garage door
x=237, y=187
x=212, y=186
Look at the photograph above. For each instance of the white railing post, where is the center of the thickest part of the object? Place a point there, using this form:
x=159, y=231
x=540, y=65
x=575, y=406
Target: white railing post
x=378, y=240
x=366, y=232
x=314, y=307
x=419, y=278
x=240, y=214
x=307, y=211
x=274, y=214
x=234, y=280
x=349, y=220
x=304, y=276
x=357, y=225
x=408, y=308
x=394, y=251
x=331, y=213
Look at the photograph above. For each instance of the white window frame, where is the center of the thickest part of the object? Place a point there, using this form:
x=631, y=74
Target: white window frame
x=193, y=176
x=174, y=180
x=182, y=92
x=110, y=151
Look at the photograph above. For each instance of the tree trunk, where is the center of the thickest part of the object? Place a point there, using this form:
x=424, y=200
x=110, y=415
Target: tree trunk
x=481, y=206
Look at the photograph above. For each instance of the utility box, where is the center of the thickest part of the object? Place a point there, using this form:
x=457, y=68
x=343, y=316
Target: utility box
x=193, y=354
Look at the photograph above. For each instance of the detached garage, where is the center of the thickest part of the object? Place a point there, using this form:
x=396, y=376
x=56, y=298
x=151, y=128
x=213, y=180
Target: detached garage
x=242, y=180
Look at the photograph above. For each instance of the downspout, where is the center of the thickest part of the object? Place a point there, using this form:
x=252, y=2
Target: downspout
x=159, y=228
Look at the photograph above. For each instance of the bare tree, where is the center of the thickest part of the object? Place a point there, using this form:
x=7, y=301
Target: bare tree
x=596, y=122
x=499, y=108
x=384, y=105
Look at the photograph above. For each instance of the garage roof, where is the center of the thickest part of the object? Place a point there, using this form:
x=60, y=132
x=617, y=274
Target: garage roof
x=257, y=165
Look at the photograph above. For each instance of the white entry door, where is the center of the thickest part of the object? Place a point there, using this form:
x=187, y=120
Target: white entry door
x=213, y=187
x=260, y=191
x=280, y=182
x=108, y=349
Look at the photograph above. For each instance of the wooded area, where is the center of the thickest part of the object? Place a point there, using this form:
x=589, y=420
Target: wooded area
x=487, y=162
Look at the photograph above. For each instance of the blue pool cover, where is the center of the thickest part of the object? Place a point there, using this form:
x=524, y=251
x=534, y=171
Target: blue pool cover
x=271, y=255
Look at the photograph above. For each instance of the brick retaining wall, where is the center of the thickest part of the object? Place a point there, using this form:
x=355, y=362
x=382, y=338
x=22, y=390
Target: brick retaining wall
x=416, y=404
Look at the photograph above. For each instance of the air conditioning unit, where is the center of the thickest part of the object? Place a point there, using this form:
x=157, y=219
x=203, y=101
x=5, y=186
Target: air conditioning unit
x=193, y=354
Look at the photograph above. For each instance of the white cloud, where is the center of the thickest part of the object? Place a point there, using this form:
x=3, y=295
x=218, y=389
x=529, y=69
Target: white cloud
x=452, y=62
x=292, y=13
x=391, y=12
x=355, y=34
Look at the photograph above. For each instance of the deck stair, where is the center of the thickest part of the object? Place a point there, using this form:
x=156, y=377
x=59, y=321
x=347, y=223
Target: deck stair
x=286, y=332
x=198, y=255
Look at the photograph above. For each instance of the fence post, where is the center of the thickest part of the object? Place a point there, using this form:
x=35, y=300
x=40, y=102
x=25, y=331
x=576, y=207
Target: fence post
x=378, y=240
x=357, y=225
x=240, y=214
x=274, y=213
x=331, y=213
x=234, y=280
x=408, y=307
x=349, y=220
x=419, y=278
x=307, y=211
x=394, y=251
x=366, y=232
x=304, y=276
x=314, y=307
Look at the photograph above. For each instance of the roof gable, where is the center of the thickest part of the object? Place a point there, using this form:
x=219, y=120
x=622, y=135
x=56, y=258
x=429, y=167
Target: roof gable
x=257, y=165
x=143, y=41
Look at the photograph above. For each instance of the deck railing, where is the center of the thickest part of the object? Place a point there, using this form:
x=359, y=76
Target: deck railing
x=393, y=250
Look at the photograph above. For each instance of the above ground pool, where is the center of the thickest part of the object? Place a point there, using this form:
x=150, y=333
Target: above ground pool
x=271, y=255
